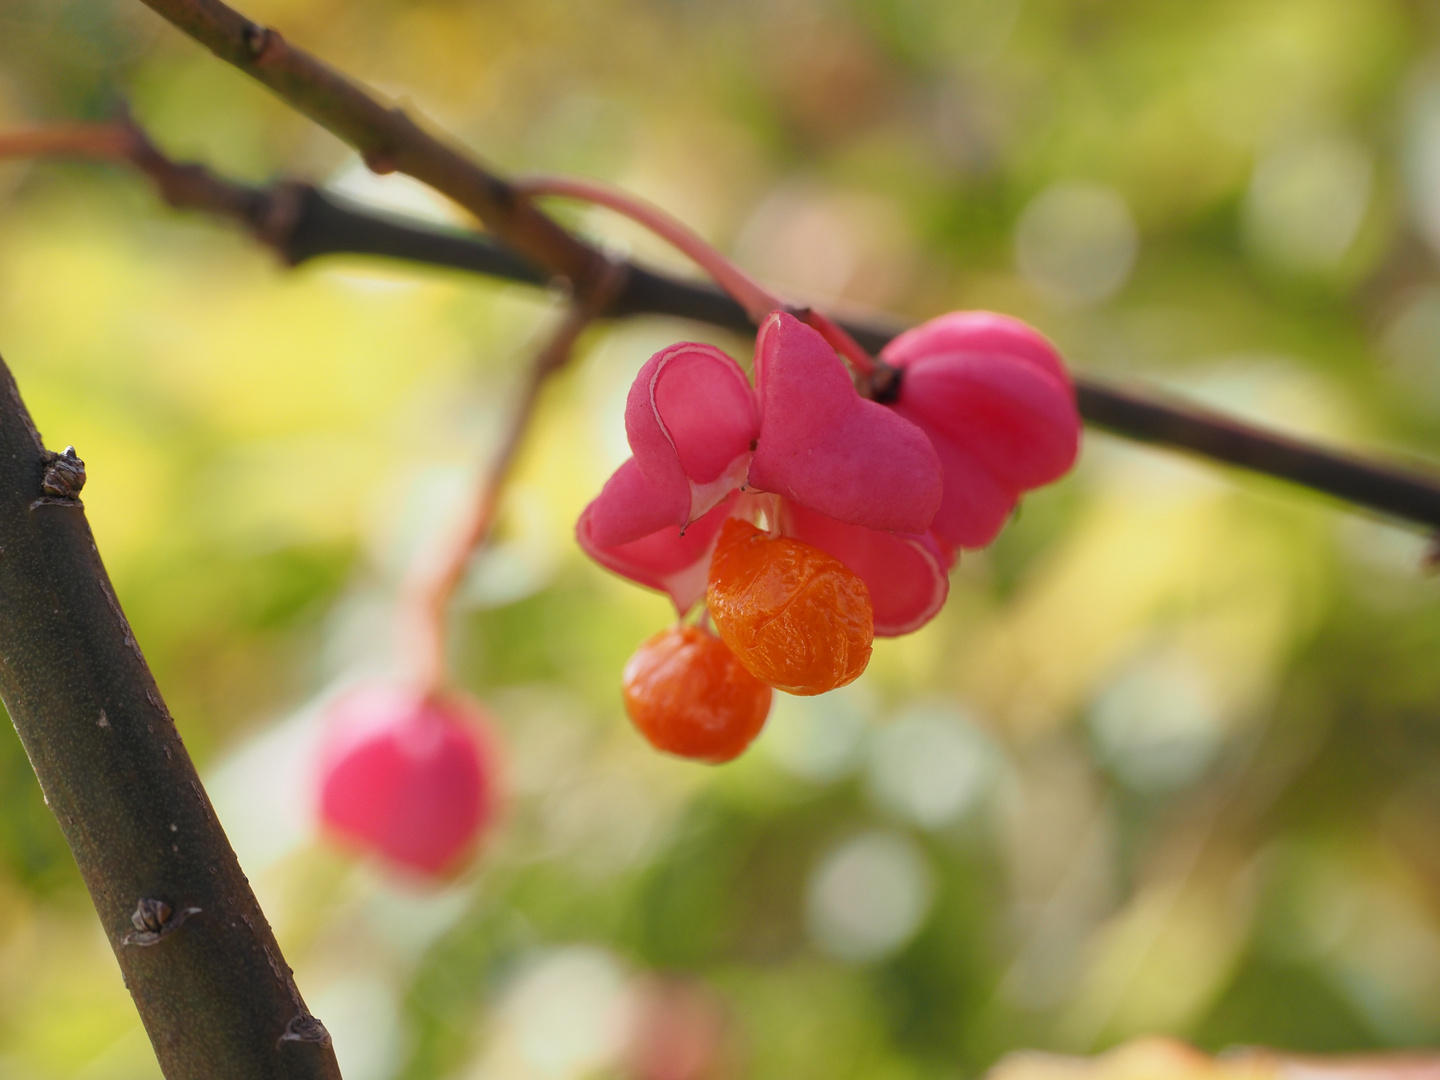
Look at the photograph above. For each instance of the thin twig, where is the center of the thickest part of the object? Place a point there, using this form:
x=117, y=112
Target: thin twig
x=843, y=342
x=1391, y=489
x=302, y=223
x=325, y=225
x=268, y=213
x=434, y=577
x=100, y=141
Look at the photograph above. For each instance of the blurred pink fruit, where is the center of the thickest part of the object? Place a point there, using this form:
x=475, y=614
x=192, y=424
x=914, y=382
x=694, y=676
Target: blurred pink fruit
x=408, y=777
x=680, y=1032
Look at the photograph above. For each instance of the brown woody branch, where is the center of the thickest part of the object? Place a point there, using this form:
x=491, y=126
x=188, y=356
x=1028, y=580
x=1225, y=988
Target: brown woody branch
x=213, y=990
x=301, y=223
x=324, y=225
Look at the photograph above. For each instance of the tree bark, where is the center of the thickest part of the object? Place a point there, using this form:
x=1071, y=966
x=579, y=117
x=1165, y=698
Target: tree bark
x=214, y=992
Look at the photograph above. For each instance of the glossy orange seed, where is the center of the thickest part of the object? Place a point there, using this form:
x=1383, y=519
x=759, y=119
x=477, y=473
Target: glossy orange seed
x=689, y=695
x=797, y=618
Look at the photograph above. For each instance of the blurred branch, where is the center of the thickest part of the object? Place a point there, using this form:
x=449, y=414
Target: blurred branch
x=266, y=212
x=435, y=575
x=1399, y=492
x=302, y=223
x=214, y=992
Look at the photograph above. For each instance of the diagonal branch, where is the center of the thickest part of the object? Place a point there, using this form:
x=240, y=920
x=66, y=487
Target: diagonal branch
x=1391, y=489
x=387, y=138
x=324, y=225
x=213, y=990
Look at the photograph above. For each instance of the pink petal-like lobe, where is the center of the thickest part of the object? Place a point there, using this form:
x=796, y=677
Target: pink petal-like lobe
x=627, y=508
x=408, y=777
x=976, y=504
x=976, y=332
x=907, y=574
x=825, y=447
x=691, y=419
x=625, y=529
x=996, y=402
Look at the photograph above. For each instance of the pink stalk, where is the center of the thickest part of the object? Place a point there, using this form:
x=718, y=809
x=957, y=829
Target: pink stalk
x=432, y=581
x=840, y=340
x=105, y=141
x=750, y=294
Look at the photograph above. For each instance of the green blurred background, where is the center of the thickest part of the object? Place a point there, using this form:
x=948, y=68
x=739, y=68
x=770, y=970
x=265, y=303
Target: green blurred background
x=1168, y=761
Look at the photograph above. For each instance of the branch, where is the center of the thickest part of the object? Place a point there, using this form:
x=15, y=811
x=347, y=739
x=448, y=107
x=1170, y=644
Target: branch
x=1398, y=492
x=302, y=223
x=266, y=212
x=324, y=225
x=214, y=992
x=389, y=140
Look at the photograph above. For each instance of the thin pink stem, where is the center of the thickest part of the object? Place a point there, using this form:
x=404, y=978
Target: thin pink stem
x=841, y=341
x=110, y=142
x=426, y=594
x=749, y=293
x=757, y=301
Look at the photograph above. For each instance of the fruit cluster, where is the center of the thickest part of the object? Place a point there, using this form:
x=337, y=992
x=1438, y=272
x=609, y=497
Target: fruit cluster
x=864, y=506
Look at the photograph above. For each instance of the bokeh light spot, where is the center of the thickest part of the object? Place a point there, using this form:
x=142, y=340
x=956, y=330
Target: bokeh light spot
x=1076, y=243
x=869, y=896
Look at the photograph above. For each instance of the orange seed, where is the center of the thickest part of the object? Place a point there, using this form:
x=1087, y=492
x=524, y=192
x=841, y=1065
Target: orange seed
x=689, y=695
x=797, y=618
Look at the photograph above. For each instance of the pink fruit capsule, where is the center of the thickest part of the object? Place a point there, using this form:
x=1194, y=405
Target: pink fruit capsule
x=408, y=777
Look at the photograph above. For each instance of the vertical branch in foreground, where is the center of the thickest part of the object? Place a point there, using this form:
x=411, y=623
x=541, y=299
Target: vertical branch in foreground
x=215, y=995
